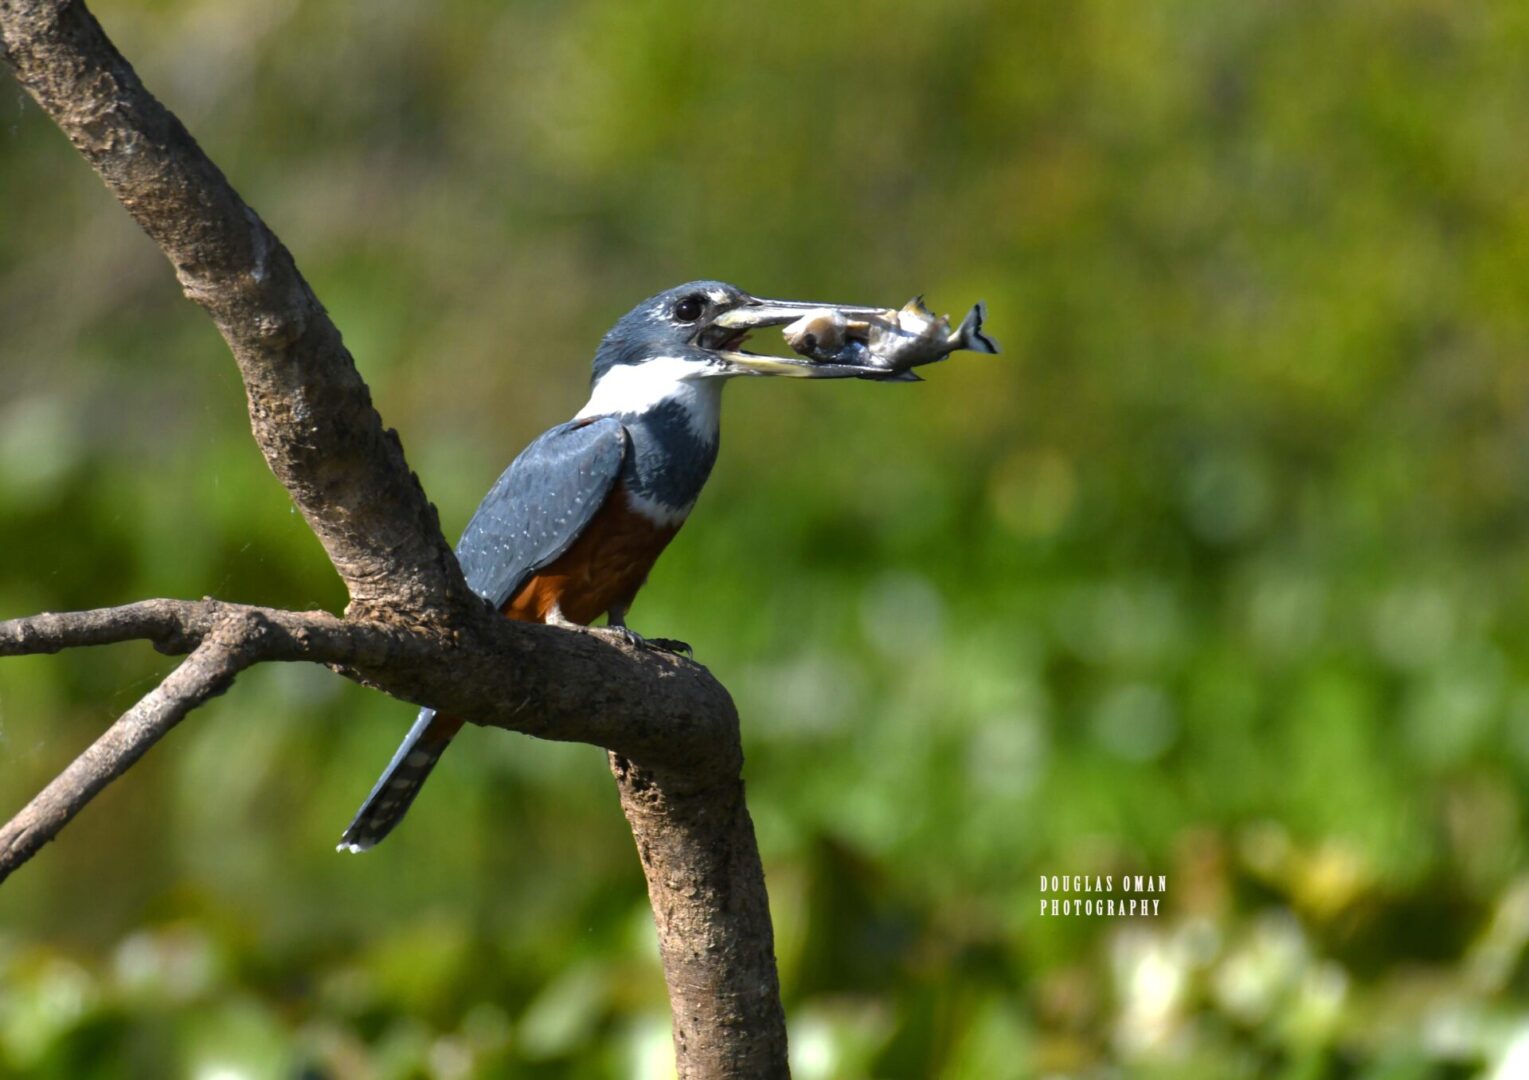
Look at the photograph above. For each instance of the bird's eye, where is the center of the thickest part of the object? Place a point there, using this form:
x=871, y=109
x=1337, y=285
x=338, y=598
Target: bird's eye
x=689, y=309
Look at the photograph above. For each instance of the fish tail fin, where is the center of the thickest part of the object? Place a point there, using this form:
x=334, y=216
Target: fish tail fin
x=969, y=334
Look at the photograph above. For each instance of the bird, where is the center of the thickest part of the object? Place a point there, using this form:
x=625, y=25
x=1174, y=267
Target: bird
x=572, y=527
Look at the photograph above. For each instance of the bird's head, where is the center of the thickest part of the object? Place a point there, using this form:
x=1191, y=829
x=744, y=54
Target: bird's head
x=697, y=331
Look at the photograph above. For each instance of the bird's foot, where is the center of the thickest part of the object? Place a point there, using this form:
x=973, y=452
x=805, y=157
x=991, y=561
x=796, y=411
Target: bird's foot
x=671, y=645
x=659, y=644
x=629, y=636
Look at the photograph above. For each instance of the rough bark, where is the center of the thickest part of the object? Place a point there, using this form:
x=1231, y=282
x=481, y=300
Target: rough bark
x=714, y=934
x=412, y=627
x=591, y=686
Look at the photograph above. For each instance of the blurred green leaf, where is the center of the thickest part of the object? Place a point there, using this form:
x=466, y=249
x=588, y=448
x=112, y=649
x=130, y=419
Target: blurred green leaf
x=1216, y=572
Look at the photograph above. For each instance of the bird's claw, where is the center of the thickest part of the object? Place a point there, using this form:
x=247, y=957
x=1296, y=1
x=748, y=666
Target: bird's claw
x=628, y=636
x=658, y=644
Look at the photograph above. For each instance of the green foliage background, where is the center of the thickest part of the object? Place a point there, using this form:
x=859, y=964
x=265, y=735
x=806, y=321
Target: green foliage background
x=1218, y=573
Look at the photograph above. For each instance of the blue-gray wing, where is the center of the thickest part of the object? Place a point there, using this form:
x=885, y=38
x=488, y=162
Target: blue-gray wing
x=540, y=505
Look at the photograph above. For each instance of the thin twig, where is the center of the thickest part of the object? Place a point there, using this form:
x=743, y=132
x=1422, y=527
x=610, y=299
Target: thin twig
x=207, y=672
x=176, y=627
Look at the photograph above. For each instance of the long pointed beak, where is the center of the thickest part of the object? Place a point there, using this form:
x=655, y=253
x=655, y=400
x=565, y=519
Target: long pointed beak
x=756, y=314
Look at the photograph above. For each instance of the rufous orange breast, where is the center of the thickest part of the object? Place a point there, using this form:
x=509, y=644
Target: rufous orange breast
x=603, y=569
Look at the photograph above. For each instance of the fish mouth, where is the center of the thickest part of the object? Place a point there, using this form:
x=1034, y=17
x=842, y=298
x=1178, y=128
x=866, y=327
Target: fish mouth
x=727, y=333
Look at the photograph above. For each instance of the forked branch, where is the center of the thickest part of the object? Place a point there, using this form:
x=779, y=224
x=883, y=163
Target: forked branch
x=207, y=672
x=661, y=710
x=412, y=627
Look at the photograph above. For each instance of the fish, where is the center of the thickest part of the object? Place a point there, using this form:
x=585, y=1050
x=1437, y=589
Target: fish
x=887, y=345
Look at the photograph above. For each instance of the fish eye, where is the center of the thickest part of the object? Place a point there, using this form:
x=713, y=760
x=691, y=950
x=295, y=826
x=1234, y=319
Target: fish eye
x=689, y=309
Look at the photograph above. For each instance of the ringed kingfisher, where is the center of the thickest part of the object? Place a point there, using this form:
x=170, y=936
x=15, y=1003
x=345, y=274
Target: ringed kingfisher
x=572, y=527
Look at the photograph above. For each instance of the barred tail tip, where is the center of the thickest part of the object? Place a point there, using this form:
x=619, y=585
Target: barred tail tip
x=392, y=796
x=382, y=811
x=355, y=847
x=367, y=830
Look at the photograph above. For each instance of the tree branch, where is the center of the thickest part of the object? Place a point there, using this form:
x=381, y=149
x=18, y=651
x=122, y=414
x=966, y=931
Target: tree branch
x=310, y=411
x=412, y=628
x=207, y=672
x=174, y=626
x=705, y=884
x=590, y=686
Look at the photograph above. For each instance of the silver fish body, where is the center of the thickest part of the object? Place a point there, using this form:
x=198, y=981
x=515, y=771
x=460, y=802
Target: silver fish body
x=887, y=345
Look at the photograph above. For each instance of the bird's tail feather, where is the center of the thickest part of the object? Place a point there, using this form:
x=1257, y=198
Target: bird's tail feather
x=394, y=792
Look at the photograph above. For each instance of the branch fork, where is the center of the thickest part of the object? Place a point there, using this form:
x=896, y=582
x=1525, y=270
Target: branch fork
x=412, y=628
